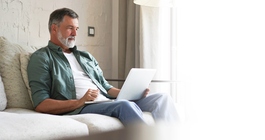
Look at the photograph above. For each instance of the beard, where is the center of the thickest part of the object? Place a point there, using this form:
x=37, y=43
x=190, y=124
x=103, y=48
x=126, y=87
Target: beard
x=66, y=42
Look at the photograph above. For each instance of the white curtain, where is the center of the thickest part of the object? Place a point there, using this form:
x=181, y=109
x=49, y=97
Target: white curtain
x=157, y=48
x=147, y=40
x=128, y=28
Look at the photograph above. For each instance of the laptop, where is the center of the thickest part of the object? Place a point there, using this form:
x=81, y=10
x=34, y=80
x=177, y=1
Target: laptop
x=134, y=86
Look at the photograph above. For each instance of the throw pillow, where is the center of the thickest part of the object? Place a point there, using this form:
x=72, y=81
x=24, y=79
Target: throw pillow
x=3, y=100
x=15, y=89
x=24, y=61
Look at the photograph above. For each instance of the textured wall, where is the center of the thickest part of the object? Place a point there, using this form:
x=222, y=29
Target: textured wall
x=25, y=22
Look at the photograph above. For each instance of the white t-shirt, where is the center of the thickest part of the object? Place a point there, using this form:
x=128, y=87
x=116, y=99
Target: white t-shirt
x=81, y=79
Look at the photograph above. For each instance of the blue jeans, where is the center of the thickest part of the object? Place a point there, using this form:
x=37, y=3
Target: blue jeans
x=160, y=105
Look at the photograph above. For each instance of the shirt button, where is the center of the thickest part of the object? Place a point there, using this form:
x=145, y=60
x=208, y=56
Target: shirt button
x=71, y=77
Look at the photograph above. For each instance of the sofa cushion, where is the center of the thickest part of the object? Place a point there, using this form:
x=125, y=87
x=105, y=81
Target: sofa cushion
x=3, y=100
x=39, y=126
x=148, y=118
x=15, y=89
x=98, y=123
x=21, y=111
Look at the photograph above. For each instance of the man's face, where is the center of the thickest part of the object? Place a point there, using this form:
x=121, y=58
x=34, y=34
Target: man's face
x=68, y=31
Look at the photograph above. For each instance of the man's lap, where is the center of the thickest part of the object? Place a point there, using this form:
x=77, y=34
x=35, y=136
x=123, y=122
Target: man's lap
x=106, y=108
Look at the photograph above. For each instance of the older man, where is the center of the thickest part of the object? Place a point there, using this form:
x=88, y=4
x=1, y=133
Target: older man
x=63, y=78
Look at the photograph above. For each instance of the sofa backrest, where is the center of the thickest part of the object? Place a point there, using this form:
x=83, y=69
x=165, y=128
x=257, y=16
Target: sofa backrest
x=10, y=68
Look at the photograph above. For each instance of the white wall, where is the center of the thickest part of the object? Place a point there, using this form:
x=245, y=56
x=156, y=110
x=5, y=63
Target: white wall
x=26, y=22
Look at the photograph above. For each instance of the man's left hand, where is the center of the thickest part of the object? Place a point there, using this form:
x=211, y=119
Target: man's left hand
x=146, y=92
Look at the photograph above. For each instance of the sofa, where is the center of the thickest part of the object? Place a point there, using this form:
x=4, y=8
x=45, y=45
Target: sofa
x=19, y=120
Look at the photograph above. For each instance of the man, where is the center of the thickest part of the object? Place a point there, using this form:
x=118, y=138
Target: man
x=62, y=78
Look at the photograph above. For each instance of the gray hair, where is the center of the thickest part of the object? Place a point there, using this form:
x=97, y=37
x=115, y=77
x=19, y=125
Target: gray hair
x=57, y=16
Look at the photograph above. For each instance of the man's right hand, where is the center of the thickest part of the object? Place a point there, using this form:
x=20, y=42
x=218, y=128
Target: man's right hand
x=90, y=95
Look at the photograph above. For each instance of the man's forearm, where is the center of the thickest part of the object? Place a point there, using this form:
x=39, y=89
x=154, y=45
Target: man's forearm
x=52, y=106
x=114, y=92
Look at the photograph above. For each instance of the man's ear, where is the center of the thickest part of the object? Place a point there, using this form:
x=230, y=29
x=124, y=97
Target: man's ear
x=54, y=28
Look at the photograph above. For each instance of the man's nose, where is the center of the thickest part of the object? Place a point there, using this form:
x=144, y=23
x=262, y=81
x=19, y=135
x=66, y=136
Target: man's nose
x=74, y=33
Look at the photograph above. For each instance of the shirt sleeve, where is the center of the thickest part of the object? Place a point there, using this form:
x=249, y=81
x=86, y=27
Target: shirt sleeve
x=39, y=77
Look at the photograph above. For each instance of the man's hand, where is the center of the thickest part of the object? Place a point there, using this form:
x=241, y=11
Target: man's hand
x=146, y=92
x=91, y=95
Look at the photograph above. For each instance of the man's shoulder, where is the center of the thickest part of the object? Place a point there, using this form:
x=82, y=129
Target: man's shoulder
x=41, y=52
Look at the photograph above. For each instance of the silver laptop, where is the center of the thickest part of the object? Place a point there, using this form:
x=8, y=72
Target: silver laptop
x=134, y=86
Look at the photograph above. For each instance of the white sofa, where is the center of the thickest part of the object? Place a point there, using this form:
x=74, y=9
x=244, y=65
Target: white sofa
x=18, y=120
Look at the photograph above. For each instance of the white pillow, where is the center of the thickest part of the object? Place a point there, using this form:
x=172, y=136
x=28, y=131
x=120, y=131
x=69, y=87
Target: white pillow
x=24, y=61
x=15, y=89
x=3, y=100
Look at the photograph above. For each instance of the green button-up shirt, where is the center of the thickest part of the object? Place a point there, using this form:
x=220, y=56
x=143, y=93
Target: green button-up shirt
x=50, y=74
